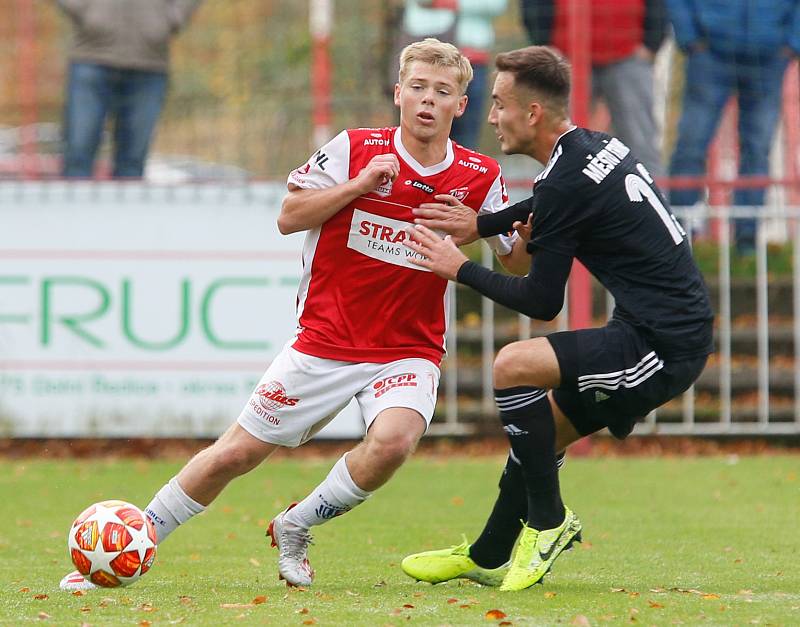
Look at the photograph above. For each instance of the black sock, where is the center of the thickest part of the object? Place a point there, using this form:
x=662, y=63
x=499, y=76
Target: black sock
x=528, y=422
x=493, y=547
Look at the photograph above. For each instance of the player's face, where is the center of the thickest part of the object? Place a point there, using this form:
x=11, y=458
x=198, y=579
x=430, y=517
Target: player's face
x=511, y=116
x=429, y=98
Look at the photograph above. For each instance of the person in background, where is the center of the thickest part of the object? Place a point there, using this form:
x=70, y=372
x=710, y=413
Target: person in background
x=468, y=25
x=118, y=68
x=625, y=36
x=742, y=47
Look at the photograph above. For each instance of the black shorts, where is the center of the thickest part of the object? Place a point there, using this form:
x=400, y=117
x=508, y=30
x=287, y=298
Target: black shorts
x=612, y=377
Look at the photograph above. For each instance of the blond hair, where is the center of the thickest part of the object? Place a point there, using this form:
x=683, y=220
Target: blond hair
x=439, y=54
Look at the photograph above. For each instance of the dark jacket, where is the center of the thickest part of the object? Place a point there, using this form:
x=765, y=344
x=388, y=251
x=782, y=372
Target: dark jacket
x=757, y=27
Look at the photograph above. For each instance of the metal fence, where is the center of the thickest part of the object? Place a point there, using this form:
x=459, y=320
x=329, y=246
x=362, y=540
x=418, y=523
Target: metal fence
x=751, y=384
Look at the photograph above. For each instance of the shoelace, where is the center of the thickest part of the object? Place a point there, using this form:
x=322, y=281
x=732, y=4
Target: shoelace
x=296, y=542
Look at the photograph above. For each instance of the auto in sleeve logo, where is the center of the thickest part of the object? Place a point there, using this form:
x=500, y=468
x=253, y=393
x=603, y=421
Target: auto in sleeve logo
x=406, y=379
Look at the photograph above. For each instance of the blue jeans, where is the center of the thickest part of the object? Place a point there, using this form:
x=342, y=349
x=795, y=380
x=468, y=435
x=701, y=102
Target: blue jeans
x=710, y=81
x=133, y=98
x=467, y=129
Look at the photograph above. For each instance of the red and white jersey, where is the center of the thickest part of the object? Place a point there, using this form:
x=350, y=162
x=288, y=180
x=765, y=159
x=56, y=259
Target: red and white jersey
x=360, y=298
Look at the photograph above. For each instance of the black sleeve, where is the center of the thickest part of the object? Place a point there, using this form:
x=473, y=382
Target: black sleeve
x=655, y=24
x=490, y=224
x=538, y=295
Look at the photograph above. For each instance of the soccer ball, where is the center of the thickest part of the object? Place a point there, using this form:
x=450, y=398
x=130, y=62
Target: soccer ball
x=112, y=543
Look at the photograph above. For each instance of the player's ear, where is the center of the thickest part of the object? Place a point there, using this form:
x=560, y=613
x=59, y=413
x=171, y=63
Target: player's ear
x=397, y=94
x=462, y=105
x=535, y=113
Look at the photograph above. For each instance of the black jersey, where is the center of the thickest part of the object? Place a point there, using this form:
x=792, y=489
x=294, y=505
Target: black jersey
x=596, y=203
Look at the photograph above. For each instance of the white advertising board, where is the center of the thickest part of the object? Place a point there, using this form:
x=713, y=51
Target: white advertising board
x=132, y=310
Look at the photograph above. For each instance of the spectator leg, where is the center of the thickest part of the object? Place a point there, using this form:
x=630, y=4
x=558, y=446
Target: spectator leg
x=140, y=99
x=760, y=88
x=627, y=87
x=87, y=103
x=708, y=85
x=467, y=129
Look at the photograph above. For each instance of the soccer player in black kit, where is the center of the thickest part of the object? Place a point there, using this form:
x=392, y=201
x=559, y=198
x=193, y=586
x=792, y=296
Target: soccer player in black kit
x=596, y=203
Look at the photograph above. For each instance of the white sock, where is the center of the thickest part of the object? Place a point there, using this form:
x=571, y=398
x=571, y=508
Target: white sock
x=336, y=495
x=170, y=508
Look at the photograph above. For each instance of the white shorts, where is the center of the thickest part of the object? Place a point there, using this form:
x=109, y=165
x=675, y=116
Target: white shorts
x=299, y=394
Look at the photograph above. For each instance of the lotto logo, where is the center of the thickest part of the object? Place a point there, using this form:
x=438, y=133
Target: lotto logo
x=407, y=379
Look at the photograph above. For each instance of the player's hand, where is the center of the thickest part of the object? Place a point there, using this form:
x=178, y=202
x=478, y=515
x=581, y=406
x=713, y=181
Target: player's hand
x=380, y=170
x=524, y=229
x=440, y=256
x=451, y=216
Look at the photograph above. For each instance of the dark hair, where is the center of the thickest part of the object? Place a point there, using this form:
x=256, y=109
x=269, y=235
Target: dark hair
x=541, y=69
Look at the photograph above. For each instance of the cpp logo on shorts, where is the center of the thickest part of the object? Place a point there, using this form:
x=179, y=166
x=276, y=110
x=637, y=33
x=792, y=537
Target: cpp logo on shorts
x=272, y=396
x=407, y=379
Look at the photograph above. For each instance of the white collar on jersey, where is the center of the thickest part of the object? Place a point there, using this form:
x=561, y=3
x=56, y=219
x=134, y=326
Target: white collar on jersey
x=416, y=165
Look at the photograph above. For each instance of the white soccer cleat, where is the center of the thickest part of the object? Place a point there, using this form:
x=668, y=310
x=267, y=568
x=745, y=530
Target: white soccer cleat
x=75, y=581
x=292, y=543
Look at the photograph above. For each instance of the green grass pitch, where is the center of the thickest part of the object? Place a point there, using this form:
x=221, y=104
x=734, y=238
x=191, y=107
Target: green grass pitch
x=691, y=541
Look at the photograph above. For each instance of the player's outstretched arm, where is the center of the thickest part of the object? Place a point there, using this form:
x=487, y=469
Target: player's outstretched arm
x=304, y=209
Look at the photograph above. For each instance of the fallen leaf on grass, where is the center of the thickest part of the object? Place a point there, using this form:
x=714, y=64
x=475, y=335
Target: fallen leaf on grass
x=144, y=623
x=43, y=616
x=235, y=606
x=549, y=594
x=40, y=597
x=655, y=605
x=86, y=609
x=309, y=621
x=303, y=610
x=618, y=590
x=408, y=606
x=418, y=594
x=254, y=561
x=633, y=595
x=259, y=600
x=504, y=623
x=458, y=501
x=185, y=600
x=580, y=621
x=710, y=596
x=379, y=584
x=452, y=600
x=78, y=593
x=146, y=607
x=351, y=593
x=25, y=589
x=495, y=615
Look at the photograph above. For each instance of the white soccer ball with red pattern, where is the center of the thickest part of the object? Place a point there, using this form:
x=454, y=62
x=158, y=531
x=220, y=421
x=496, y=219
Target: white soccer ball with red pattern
x=112, y=543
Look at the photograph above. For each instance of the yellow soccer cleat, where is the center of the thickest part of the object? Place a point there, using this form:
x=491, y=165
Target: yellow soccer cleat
x=452, y=563
x=538, y=550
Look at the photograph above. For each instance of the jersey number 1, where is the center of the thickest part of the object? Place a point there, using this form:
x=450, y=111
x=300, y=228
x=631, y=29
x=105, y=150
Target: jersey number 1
x=638, y=190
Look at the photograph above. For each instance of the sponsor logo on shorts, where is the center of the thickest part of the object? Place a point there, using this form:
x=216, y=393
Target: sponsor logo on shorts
x=407, y=379
x=272, y=396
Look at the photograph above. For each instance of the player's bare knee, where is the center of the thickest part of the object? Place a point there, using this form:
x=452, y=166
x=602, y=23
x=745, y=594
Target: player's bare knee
x=391, y=452
x=506, y=370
